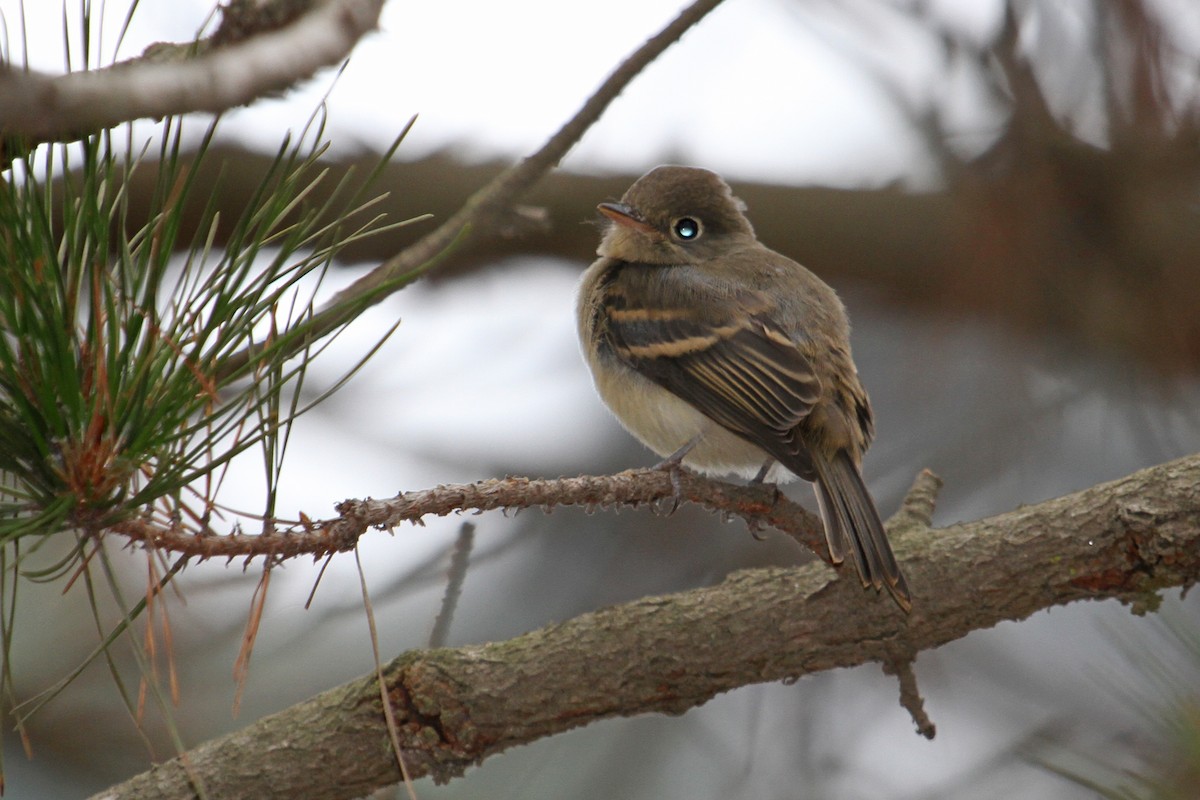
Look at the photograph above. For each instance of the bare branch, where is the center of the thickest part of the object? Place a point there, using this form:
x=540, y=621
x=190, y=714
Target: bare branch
x=630, y=488
x=456, y=576
x=455, y=707
x=910, y=695
x=485, y=211
x=230, y=69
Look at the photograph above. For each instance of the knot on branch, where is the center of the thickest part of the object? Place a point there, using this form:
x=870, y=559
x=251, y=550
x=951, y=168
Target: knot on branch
x=917, y=507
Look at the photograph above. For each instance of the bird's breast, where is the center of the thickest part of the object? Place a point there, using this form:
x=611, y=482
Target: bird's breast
x=665, y=423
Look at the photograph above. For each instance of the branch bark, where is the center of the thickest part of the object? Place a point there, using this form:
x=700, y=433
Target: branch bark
x=1126, y=540
x=755, y=503
x=257, y=50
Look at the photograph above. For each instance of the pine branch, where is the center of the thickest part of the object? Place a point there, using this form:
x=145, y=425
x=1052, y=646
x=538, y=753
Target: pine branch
x=1126, y=539
x=259, y=49
x=633, y=488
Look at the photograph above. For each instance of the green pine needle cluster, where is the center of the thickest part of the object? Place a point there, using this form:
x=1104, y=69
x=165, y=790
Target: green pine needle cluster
x=115, y=335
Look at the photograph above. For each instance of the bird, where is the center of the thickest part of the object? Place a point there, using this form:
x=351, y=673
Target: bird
x=728, y=358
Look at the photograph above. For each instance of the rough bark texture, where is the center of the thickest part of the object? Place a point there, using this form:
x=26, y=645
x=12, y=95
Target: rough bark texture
x=259, y=49
x=1125, y=539
x=757, y=504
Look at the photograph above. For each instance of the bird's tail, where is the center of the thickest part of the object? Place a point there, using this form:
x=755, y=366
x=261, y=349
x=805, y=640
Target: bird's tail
x=852, y=525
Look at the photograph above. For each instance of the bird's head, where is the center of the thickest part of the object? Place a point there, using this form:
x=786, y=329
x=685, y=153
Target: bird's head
x=674, y=215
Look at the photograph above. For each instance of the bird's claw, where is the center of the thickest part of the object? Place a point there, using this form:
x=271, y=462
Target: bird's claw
x=674, y=470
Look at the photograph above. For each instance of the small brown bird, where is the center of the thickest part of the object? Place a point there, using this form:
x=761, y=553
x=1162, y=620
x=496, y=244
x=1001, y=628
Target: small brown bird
x=715, y=350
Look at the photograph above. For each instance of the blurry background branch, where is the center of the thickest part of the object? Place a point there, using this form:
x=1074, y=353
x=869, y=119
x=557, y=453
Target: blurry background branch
x=492, y=208
x=1097, y=239
x=258, y=49
x=1126, y=539
x=1047, y=230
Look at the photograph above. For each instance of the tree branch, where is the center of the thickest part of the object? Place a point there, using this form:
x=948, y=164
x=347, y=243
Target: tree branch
x=254, y=53
x=1126, y=539
x=754, y=503
x=485, y=211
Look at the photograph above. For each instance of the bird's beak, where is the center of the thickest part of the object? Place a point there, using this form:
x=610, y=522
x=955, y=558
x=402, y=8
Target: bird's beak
x=625, y=215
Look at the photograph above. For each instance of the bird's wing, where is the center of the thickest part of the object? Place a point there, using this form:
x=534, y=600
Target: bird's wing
x=730, y=361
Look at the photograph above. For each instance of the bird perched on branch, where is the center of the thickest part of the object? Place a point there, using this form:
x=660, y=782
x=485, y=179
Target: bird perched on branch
x=722, y=355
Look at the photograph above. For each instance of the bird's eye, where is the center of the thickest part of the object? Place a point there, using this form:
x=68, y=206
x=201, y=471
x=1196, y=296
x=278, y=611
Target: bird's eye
x=686, y=228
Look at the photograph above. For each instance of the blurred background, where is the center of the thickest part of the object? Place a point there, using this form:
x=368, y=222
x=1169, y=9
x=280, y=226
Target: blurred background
x=1007, y=197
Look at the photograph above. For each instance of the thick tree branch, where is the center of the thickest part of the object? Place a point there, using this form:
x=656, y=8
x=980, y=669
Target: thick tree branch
x=1125, y=539
x=259, y=49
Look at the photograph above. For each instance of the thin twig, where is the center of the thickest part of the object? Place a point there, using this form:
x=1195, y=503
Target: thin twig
x=910, y=695
x=633, y=488
x=483, y=212
x=456, y=575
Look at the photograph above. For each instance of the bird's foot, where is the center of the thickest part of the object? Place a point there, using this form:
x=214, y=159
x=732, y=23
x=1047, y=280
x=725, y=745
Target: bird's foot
x=754, y=524
x=761, y=477
x=673, y=466
x=756, y=528
x=674, y=470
